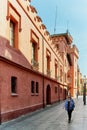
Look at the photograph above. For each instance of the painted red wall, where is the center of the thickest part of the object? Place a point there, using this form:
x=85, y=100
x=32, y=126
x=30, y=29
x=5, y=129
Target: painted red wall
x=24, y=101
x=13, y=63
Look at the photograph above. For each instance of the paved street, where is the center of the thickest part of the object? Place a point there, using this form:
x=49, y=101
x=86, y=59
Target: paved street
x=51, y=118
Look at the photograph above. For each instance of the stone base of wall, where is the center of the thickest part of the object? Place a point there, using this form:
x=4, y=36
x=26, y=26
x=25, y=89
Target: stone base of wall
x=17, y=113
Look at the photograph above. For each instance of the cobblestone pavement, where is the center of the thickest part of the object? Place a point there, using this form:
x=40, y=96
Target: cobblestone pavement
x=51, y=118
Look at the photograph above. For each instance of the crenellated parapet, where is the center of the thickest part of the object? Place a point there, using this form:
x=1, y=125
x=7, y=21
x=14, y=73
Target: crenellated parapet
x=33, y=15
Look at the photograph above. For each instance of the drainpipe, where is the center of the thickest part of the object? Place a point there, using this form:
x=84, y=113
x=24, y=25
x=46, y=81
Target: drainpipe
x=43, y=69
x=0, y=105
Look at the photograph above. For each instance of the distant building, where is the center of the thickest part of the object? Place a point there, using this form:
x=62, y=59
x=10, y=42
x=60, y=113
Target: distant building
x=74, y=70
x=83, y=81
x=36, y=69
x=79, y=83
x=63, y=43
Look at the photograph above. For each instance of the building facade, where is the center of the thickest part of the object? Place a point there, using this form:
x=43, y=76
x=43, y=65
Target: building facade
x=74, y=70
x=35, y=67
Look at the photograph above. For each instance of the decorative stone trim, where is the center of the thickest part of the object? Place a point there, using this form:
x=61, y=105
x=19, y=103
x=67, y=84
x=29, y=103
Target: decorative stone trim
x=9, y=5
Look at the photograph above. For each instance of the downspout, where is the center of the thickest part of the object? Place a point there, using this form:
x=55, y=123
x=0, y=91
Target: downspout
x=0, y=75
x=43, y=69
x=0, y=105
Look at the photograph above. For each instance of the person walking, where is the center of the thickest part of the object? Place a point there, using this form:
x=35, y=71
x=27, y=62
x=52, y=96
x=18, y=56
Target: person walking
x=69, y=107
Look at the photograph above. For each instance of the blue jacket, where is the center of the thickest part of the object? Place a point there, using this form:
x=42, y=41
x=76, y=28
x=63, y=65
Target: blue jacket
x=72, y=104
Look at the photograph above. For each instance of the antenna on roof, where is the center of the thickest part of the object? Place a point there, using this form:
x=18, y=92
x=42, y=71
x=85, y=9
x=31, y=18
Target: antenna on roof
x=67, y=30
x=55, y=20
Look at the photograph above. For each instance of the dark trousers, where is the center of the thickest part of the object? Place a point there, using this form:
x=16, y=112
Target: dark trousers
x=69, y=114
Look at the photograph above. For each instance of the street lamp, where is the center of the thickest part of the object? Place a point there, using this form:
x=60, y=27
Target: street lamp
x=84, y=91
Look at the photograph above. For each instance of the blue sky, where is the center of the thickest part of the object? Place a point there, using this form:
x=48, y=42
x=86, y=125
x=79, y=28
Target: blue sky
x=71, y=15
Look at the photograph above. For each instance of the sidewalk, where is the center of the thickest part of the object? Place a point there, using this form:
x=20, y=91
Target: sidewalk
x=51, y=118
x=79, y=116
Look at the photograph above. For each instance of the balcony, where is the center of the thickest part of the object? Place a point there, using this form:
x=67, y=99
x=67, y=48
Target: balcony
x=49, y=73
x=35, y=64
x=69, y=80
x=56, y=77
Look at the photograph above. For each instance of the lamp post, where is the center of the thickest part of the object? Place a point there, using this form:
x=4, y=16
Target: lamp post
x=84, y=91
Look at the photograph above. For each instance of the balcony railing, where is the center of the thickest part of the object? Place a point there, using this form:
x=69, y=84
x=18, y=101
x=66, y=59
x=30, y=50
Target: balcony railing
x=35, y=64
x=56, y=77
x=59, y=78
x=68, y=79
x=48, y=72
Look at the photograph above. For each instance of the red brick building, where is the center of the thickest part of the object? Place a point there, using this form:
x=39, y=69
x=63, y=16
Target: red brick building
x=35, y=70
